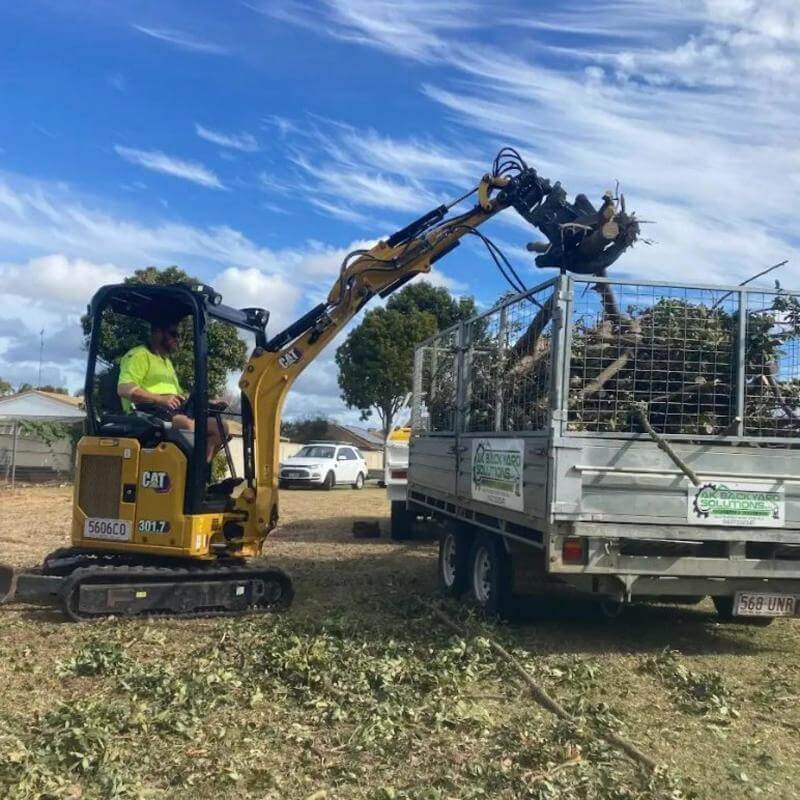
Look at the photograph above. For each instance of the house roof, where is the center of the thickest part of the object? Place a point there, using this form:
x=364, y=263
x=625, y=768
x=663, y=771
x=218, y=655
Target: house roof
x=360, y=436
x=67, y=398
x=42, y=406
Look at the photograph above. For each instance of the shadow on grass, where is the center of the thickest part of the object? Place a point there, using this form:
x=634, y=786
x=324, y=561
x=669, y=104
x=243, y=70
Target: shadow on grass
x=576, y=625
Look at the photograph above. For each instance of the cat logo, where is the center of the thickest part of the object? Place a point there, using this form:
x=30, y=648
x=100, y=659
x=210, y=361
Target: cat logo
x=158, y=481
x=290, y=357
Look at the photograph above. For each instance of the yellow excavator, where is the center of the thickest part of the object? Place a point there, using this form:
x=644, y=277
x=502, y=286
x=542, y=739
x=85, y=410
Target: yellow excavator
x=150, y=535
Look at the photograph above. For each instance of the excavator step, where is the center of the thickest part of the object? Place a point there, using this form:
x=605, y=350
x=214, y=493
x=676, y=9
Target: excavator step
x=89, y=585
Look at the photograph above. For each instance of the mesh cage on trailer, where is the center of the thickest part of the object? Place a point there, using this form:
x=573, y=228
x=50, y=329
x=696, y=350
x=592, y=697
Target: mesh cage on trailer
x=772, y=364
x=700, y=361
x=507, y=364
x=720, y=363
x=436, y=383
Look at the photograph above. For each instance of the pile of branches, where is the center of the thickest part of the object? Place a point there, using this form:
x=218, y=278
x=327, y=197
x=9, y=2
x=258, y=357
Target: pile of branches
x=675, y=356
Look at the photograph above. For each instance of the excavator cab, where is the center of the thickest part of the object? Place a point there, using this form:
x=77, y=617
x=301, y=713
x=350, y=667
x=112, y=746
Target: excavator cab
x=136, y=474
x=149, y=535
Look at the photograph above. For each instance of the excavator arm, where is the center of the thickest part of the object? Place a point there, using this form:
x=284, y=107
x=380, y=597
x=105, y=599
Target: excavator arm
x=579, y=238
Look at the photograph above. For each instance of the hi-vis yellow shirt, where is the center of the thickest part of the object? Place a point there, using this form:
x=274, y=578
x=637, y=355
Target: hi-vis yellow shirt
x=151, y=372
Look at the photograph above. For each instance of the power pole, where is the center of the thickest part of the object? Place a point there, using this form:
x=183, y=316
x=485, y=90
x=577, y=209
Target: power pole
x=41, y=352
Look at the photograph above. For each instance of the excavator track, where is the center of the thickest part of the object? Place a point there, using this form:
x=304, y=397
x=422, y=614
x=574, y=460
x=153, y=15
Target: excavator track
x=89, y=585
x=132, y=591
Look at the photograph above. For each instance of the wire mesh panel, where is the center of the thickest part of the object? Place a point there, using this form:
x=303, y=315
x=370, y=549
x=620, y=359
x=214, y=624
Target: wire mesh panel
x=507, y=365
x=772, y=364
x=672, y=350
x=436, y=384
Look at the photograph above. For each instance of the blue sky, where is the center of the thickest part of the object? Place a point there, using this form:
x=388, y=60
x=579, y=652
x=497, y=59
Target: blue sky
x=255, y=143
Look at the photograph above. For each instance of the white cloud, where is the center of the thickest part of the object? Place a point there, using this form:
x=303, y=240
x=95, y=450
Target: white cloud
x=37, y=217
x=251, y=288
x=413, y=28
x=58, y=281
x=437, y=278
x=169, y=165
x=691, y=104
x=337, y=181
x=338, y=211
x=245, y=142
x=183, y=40
x=343, y=168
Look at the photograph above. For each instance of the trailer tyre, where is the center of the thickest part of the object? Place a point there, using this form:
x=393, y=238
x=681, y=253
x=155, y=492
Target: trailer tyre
x=453, y=563
x=724, y=606
x=490, y=576
x=401, y=524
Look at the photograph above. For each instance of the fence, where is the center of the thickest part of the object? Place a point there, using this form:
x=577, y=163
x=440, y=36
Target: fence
x=701, y=361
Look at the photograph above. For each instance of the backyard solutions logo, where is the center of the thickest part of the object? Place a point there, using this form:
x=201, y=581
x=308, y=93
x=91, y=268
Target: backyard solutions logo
x=497, y=466
x=740, y=504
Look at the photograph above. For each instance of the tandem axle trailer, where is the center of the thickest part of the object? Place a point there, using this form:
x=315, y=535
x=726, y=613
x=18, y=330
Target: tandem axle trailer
x=626, y=440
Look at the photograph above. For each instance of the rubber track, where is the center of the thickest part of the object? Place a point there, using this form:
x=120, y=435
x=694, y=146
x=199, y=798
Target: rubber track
x=130, y=575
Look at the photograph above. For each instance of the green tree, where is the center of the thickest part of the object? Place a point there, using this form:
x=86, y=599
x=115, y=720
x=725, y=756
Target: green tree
x=119, y=333
x=376, y=360
x=53, y=389
x=5, y=388
x=305, y=430
x=25, y=387
x=424, y=296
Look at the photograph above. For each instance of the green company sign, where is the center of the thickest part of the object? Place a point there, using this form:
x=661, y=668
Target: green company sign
x=721, y=502
x=497, y=469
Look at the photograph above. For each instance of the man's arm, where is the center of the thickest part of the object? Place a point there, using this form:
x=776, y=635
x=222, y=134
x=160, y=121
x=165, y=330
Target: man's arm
x=136, y=394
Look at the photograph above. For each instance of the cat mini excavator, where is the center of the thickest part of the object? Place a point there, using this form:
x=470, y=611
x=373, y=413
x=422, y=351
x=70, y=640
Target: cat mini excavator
x=149, y=535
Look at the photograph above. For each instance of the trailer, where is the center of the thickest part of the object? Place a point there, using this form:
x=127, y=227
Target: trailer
x=629, y=441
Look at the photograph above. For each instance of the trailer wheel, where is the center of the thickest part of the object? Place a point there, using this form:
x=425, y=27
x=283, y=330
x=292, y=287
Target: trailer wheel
x=490, y=576
x=611, y=609
x=401, y=524
x=724, y=606
x=453, y=562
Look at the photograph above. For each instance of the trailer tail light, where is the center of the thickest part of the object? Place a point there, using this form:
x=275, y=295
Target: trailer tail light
x=399, y=474
x=573, y=551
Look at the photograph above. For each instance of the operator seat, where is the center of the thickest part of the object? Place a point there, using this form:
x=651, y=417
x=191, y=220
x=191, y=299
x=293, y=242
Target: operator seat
x=135, y=425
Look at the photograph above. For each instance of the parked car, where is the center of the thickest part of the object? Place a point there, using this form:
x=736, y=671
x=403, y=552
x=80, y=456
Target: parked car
x=324, y=465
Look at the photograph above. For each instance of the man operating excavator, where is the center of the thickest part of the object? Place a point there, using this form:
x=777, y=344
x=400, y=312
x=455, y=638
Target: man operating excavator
x=148, y=382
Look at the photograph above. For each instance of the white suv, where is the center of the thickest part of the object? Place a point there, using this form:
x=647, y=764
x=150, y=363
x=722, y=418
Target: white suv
x=324, y=464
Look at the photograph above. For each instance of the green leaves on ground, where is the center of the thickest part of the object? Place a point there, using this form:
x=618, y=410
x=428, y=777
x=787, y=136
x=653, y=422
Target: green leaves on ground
x=703, y=693
x=279, y=708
